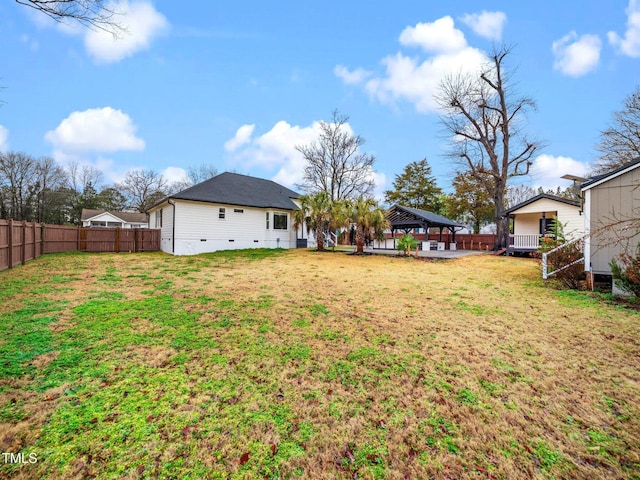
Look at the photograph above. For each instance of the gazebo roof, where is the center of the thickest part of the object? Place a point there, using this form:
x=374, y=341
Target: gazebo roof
x=406, y=217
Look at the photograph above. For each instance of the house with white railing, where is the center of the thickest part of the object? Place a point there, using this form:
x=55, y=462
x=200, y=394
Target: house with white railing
x=533, y=219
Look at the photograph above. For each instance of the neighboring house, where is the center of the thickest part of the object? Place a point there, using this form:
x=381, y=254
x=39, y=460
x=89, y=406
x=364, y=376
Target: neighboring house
x=103, y=218
x=611, y=216
x=228, y=211
x=533, y=219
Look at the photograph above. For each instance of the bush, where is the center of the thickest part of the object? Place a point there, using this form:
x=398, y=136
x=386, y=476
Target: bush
x=573, y=276
x=627, y=272
x=407, y=243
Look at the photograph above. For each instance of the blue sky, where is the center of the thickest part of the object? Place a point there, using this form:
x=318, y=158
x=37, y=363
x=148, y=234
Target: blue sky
x=240, y=84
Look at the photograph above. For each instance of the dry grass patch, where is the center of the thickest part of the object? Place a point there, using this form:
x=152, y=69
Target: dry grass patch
x=271, y=364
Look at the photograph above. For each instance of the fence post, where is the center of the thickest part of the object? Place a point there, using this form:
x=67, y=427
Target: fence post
x=35, y=253
x=10, y=242
x=78, y=241
x=117, y=239
x=42, y=241
x=544, y=265
x=23, y=247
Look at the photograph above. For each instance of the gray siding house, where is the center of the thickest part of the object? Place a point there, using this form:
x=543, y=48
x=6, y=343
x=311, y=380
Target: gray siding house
x=611, y=211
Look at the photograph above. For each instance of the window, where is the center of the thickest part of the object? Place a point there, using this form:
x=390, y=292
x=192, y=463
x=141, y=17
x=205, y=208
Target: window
x=267, y=213
x=280, y=221
x=238, y=210
x=159, y=218
x=221, y=212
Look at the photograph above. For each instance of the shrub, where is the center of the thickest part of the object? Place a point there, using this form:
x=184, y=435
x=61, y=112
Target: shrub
x=407, y=243
x=570, y=277
x=627, y=272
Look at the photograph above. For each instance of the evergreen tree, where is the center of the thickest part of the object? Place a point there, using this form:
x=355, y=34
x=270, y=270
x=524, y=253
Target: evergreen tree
x=416, y=187
x=471, y=202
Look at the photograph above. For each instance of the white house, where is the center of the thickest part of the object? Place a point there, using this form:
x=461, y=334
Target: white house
x=104, y=218
x=611, y=216
x=533, y=218
x=228, y=211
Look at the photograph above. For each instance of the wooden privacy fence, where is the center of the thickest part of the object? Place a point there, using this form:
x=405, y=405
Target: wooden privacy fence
x=464, y=241
x=24, y=241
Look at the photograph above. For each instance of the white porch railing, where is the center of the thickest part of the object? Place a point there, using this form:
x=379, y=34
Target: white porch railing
x=545, y=256
x=530, y=241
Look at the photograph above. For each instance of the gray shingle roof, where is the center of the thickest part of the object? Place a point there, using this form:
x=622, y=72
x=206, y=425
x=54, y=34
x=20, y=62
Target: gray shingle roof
x=540, y=196
x=612, y=173
x=129, y=217
x=398, y=217
x=242, y=190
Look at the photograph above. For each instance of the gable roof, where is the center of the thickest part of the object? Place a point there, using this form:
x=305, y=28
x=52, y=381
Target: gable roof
x=597, y=180
x=242, y=190
x=542, y=196
x=407, y=217
x=127, y=217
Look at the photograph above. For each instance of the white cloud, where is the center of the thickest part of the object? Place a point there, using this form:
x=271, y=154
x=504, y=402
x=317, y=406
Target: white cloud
x=242, y=136
x=174, y=174
x=630, y=44
x=576, y=56
x=416, y=79
x=408, y=79
x=4, y=139
x=276, y=150
x=486, y=24
x=353, y=77
x=95, y=130
x=440, y=36
x=141, y=22
x=547, y=170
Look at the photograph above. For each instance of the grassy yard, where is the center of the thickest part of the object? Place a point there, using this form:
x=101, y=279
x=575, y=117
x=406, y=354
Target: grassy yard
x=294, y=364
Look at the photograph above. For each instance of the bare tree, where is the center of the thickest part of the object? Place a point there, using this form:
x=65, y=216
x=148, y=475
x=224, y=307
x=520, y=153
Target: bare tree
x=620, y=142
x=486, y=117
x=200, y=173
x=79, y=176
x=142, y=188
x=90, y=13
x=17, y=173
x=519, y=193
x=50, y=178
x=335, y=163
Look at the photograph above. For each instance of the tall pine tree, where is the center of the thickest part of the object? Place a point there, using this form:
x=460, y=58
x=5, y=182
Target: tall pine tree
x=416, y=187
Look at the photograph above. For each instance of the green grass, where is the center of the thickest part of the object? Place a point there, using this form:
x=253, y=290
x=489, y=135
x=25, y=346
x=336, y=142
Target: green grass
x=269, y=364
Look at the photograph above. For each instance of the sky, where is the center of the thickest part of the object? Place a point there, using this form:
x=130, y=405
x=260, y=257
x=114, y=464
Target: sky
x=240, y=84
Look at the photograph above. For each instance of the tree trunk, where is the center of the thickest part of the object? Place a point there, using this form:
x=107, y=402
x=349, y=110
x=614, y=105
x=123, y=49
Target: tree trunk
x=502, y=230
x=319, y=238
x=360, y=240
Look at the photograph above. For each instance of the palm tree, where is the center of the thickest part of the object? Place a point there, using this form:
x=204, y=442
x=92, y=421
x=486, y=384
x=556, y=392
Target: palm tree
x=316, y=213
x=368, y=217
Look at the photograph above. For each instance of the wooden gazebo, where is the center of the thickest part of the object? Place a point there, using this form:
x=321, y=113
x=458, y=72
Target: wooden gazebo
x=407, y=218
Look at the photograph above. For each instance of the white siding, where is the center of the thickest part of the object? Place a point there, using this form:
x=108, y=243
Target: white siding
x=527, y=218
x=571, y=220
x=199, y=228
x=166, y=230
x=103, y=217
